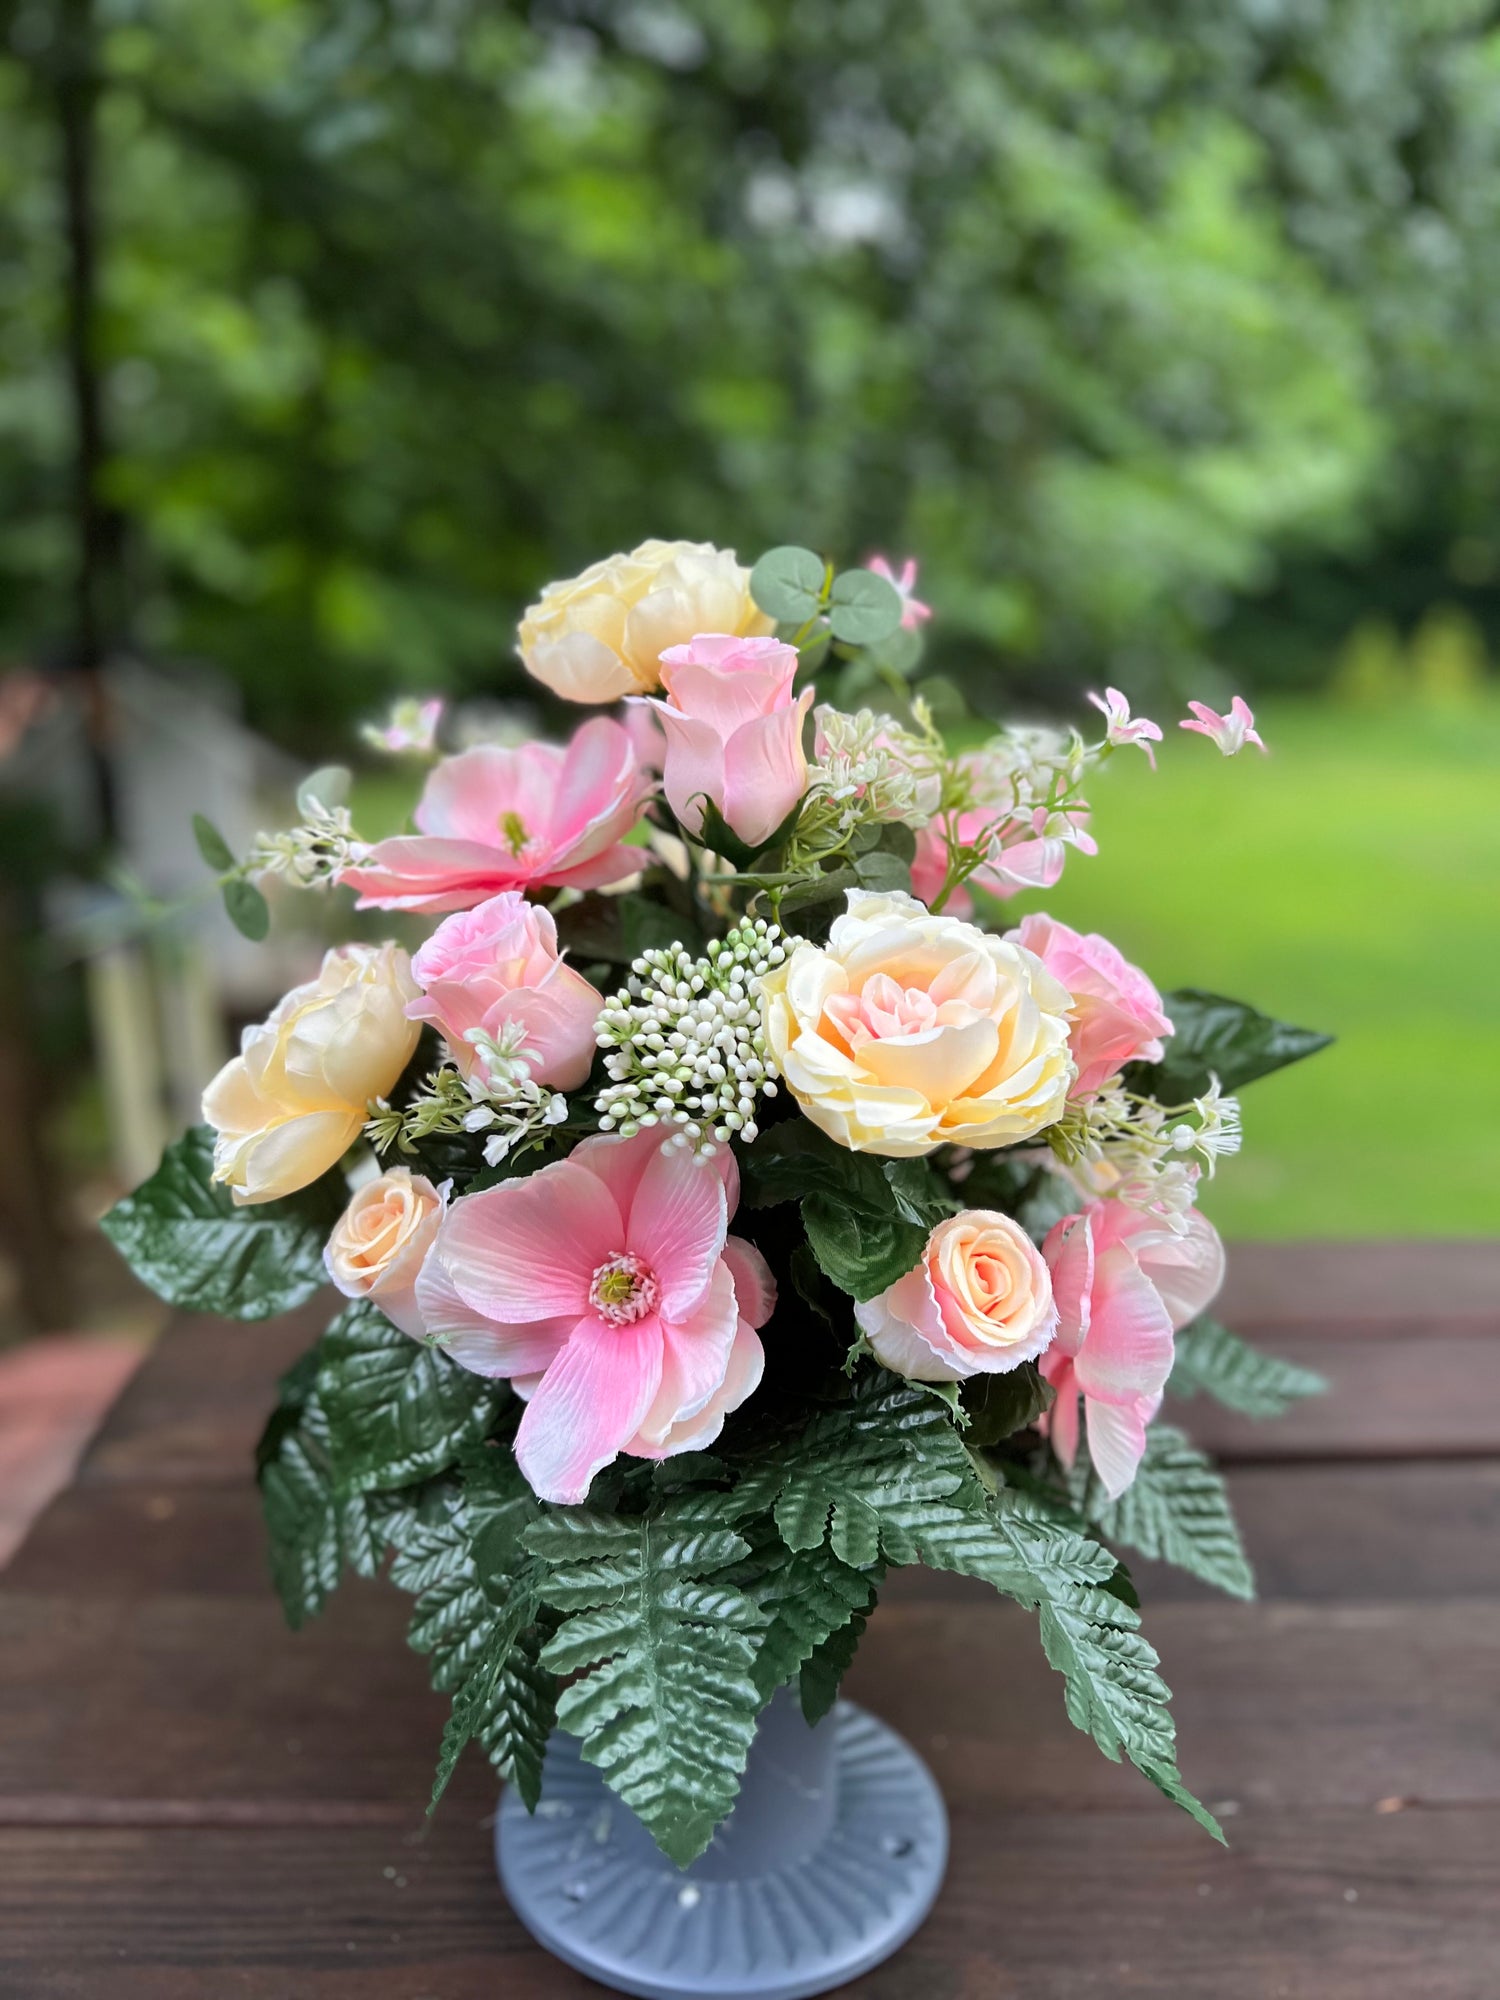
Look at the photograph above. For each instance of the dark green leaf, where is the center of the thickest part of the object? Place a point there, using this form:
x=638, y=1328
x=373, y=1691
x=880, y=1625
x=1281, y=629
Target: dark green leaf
x=1000, y=1405
x=863, y=608
x=1212, y=1359
x=787, y=583
x=184, y=1236
x=921, y=1195
x=248, y=909
x=883, y=872
x=314, y=1531
x=805, y=1597
x=1176, y=1511
x=862, y=1252
x=1223, y=1038
x=212, y=845
x=398, y=1412
x=662, y=1645
x=824, y=1668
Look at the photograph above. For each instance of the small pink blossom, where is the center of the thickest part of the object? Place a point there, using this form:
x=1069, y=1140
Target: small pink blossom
x=497, y=966
x=1231, y=732
x=1123, y=1285
x=1027, y=849
x=734, y=733
x=913, y=611
x=1117, y=1013
x=410, y=729
x=1120, y=729
x=607, y=1288
x=492, y=818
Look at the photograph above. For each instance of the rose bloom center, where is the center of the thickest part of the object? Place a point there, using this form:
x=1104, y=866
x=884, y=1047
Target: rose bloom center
x=624, y=1290
x=882, y=1010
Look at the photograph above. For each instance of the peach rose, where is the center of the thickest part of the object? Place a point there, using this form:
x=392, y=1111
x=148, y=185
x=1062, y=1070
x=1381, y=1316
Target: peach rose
x=380, y=1243
x=978, y=1303
x=292, y=1102
x=601, y=635
x=908, y=1031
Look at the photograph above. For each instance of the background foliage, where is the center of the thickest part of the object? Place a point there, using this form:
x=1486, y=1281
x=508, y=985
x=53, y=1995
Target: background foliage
x=1162, y=331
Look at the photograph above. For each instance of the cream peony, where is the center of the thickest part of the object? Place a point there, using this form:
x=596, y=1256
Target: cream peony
x=381, y=1240
x=293, y=1100
x=978, y=1303
x=601, y=635
x=908, y=1031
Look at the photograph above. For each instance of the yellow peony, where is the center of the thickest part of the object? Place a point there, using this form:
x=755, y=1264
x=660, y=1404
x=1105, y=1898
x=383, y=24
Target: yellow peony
x=601, y=635
x=292, y=1102
x=908, y=1031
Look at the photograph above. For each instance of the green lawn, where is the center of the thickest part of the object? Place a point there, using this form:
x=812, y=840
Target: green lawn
x=1349, y=881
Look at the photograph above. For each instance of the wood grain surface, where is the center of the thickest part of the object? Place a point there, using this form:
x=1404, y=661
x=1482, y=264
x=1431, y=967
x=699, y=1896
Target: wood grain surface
x=196, y=1804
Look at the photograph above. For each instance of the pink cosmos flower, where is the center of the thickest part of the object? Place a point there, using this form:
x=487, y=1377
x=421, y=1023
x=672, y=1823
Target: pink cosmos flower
x=1117, y=1013
x=1123, y=1285
x=492, y=818
x=1027, y=851
x=498, y=966
x=913, y=611
x=1120, y=729
x=734, y=733
x=607, y=1288
x=1231, y=732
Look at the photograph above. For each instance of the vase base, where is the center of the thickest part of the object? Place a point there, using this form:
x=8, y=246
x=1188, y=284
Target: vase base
x=581, y=1881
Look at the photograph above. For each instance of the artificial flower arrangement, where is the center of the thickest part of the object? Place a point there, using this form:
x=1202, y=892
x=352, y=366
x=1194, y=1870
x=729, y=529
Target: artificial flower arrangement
x=723, y=1213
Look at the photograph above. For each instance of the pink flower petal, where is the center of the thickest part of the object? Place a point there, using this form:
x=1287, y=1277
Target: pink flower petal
x=528, y=1250
x=588, y=1405
x=1128, y=1351
x=695, y=1357
x=475, y=1341
x=754, y=1287
x=1117, y=1443
x=678, y=1223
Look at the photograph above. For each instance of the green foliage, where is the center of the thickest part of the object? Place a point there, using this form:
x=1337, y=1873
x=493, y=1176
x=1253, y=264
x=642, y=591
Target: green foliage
x=1176, y=1510
x=184, y=1236
x=788, y=584
x=999, y=1405
x=808, y=1597
x=1212, y=1359
x=867, y=1220
x=662, y=1646
x=863, y=609
x=247, y=908
x=314, y=1530
x=212, y=845
x=398, y=1412
x=1215, y=1037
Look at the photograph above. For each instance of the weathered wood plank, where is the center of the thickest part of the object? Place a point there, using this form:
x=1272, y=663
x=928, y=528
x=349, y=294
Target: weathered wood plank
x=1337, y=1905
x=211, y=1700
x=1363, y=1286
x=1396, y=1531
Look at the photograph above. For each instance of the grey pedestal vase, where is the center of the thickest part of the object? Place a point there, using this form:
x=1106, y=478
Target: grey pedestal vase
x=830, y=1860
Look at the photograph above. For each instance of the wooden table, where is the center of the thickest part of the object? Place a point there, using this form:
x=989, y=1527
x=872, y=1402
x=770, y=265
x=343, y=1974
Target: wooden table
x=196, y=1804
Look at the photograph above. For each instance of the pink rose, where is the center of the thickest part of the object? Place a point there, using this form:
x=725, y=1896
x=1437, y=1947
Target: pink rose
x=978, y=1303
x=540, y=816
x=1116, y=1014
x=734, y=733
x=497, y=965
x=1124, y=1284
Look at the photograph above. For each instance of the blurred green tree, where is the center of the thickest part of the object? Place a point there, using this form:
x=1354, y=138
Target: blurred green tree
x=1123, y=317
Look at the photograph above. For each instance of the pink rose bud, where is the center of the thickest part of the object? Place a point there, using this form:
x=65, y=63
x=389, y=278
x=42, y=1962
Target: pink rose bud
x=734, y=733
x=497, y=966
x=1116, y=1014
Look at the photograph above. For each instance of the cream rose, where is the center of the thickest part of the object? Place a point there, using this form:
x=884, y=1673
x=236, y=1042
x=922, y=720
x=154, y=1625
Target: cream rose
x=381, y=1240
x=601, y=635
x=293, y=1100
x=908, y=1031
x=978, y=1303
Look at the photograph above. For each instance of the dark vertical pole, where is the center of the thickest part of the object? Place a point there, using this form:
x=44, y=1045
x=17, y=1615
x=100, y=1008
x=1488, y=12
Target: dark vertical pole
x=96, y=527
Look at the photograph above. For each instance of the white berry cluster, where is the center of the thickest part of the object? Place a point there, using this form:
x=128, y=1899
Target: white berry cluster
x=685, y=1041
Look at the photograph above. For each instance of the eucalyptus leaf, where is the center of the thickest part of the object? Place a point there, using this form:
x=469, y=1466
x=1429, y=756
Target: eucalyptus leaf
x=212, y=845
x=183, y=1234
x=863, y=608
x=328, y=787
x=248, y=909
x=787, y=583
